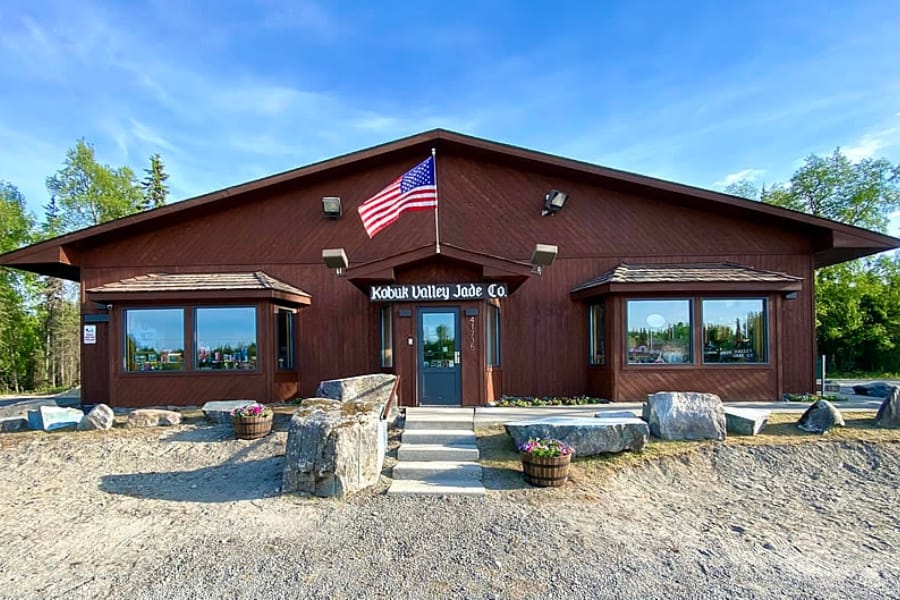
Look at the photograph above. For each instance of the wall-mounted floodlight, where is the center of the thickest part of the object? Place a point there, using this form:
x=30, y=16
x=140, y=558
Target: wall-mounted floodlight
x=554, y=202
x=543, y=256
x=331, y=206
x=790, y=296
x=335, y=258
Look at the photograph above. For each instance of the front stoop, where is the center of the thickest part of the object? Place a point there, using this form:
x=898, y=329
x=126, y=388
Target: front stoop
x=438, y=455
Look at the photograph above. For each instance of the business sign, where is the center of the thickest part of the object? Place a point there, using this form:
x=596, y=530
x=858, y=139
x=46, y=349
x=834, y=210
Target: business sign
x=89, y=335
x=437, y=292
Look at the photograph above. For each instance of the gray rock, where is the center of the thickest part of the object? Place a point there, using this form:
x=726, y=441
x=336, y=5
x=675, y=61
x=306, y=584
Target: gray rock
x=374, y=389
x=332, y=448
x=219, y=411
x=889, y=412
x=101, y=417
x=51, y=418
x=587, y=436
x=820, y=418
x=152, y=417
x=877, y=389
x=11, y=424
x=685, y=416
x=616, y=414
x=745, y=421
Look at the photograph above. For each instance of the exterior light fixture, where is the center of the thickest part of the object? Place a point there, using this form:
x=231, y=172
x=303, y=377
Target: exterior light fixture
x=554, y=202
x=331, y=206
x=335, y=258
x=543, y=256
x=790, y=296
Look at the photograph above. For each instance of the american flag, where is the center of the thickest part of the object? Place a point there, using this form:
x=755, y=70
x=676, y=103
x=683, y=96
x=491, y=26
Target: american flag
x=414, y=190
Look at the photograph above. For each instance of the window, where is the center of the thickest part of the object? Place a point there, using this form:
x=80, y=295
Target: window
x=154, y=339
x=284, y=334
x=492, y=332
x=387, y=337
x=659, y=331
x=226, y=338
x=734, y=331
x=596, y=335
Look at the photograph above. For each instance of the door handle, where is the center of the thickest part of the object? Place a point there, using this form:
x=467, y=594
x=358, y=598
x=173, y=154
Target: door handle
x=456, y=357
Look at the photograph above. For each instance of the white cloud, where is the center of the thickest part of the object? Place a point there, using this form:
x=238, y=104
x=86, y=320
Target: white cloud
x=743, y=174
x=866, y=147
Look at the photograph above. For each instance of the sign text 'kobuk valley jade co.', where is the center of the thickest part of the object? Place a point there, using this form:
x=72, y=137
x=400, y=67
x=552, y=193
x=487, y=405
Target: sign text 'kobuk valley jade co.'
x=437, y=292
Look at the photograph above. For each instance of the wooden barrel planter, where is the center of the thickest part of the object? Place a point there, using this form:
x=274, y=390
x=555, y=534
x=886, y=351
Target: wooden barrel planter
x=251, y=428
x=546, y=471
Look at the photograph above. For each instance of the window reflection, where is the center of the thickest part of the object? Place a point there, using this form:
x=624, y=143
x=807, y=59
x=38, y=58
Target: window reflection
x=154, y=339
x=492, y=331
x=284, y=320
x=226, y=338
x=734, y=331
x=659, y=331
x=439, y=344
x=596, y=335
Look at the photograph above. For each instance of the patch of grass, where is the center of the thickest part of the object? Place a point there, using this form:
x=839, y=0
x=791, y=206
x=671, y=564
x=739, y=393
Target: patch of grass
x=813, y=398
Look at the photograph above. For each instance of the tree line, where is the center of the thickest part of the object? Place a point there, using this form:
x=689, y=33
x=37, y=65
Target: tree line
x=40, y=316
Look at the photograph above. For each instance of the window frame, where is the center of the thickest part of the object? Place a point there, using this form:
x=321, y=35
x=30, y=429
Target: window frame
x=184, y=341
x=766, y=340
x=386, y=346
x=692, y=317
x=592, y=354
x=492, y=327
x=194, y=324
x=292, y=336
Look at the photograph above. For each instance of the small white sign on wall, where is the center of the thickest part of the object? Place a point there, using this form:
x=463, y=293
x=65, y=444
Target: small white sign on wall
x=90, y=334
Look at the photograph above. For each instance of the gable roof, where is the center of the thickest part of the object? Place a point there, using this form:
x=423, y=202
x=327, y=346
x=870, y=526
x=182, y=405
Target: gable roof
x=701, y=276
x=839, y=242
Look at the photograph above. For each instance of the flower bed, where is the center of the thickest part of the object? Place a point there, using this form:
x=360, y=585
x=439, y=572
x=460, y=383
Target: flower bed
x=527, y=401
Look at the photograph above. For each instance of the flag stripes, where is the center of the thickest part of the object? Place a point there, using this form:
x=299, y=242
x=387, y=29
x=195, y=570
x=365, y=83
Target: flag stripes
x=414, y=190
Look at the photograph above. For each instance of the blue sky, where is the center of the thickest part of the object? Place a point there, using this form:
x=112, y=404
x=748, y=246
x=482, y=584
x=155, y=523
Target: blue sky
x=696, y=92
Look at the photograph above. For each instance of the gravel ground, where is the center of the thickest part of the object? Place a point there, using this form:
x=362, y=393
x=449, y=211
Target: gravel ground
x=188, y=512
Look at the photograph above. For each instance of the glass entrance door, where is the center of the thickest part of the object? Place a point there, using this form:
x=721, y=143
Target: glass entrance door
x=439, y=370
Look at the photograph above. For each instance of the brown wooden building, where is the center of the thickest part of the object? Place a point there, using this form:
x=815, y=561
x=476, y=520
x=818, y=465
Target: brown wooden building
x=655, y=286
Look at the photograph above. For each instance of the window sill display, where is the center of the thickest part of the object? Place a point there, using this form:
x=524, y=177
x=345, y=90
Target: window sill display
x=252, y=421
x=545, y=462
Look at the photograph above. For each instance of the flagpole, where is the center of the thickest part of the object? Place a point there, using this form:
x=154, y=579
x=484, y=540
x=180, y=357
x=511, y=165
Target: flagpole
x=437, y=231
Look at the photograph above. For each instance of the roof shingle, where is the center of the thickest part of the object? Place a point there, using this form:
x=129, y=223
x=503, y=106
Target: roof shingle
x=685, y=273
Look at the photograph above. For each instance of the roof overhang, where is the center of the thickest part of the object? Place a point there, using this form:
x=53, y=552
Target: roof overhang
x=513, y=273
x=191, y=287
x=687, y=277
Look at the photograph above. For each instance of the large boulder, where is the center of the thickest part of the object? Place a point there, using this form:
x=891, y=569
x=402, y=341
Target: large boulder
x=332, y=448
x=685, y=416
x=51, y=418
x=745, y=421
x=373, y=389
x=877, y=389
x=889, y=412
x=101, y=417
x=153, y=417
x=820, y=417
x=10, y=424
x=588, y=436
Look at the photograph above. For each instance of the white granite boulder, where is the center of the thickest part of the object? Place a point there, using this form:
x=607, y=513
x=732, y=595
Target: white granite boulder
x=588, y=436
x=51, y=418
x=745, y=421
x=153, y=417
x=889, y=412
x=821, y=417
x=685, y=416
x=219, y=411
x=332, y=448
x=374, y=389
x=101, y=417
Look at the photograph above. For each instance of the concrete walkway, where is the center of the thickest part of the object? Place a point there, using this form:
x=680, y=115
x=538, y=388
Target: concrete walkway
x=438, y=455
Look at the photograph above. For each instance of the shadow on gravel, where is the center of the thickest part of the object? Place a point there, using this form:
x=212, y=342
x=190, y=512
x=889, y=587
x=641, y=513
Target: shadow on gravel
x=499, y=478
x=205, y=433
x=222, y=483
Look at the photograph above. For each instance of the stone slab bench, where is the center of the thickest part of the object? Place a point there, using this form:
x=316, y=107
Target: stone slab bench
x=219, y=411
x=588, y=436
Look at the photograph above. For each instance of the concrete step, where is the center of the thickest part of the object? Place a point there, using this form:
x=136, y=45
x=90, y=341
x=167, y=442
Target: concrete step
x=437, y=487
x=438, y=422
x=437, y=470
x=436, y=453
x=438, y=436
